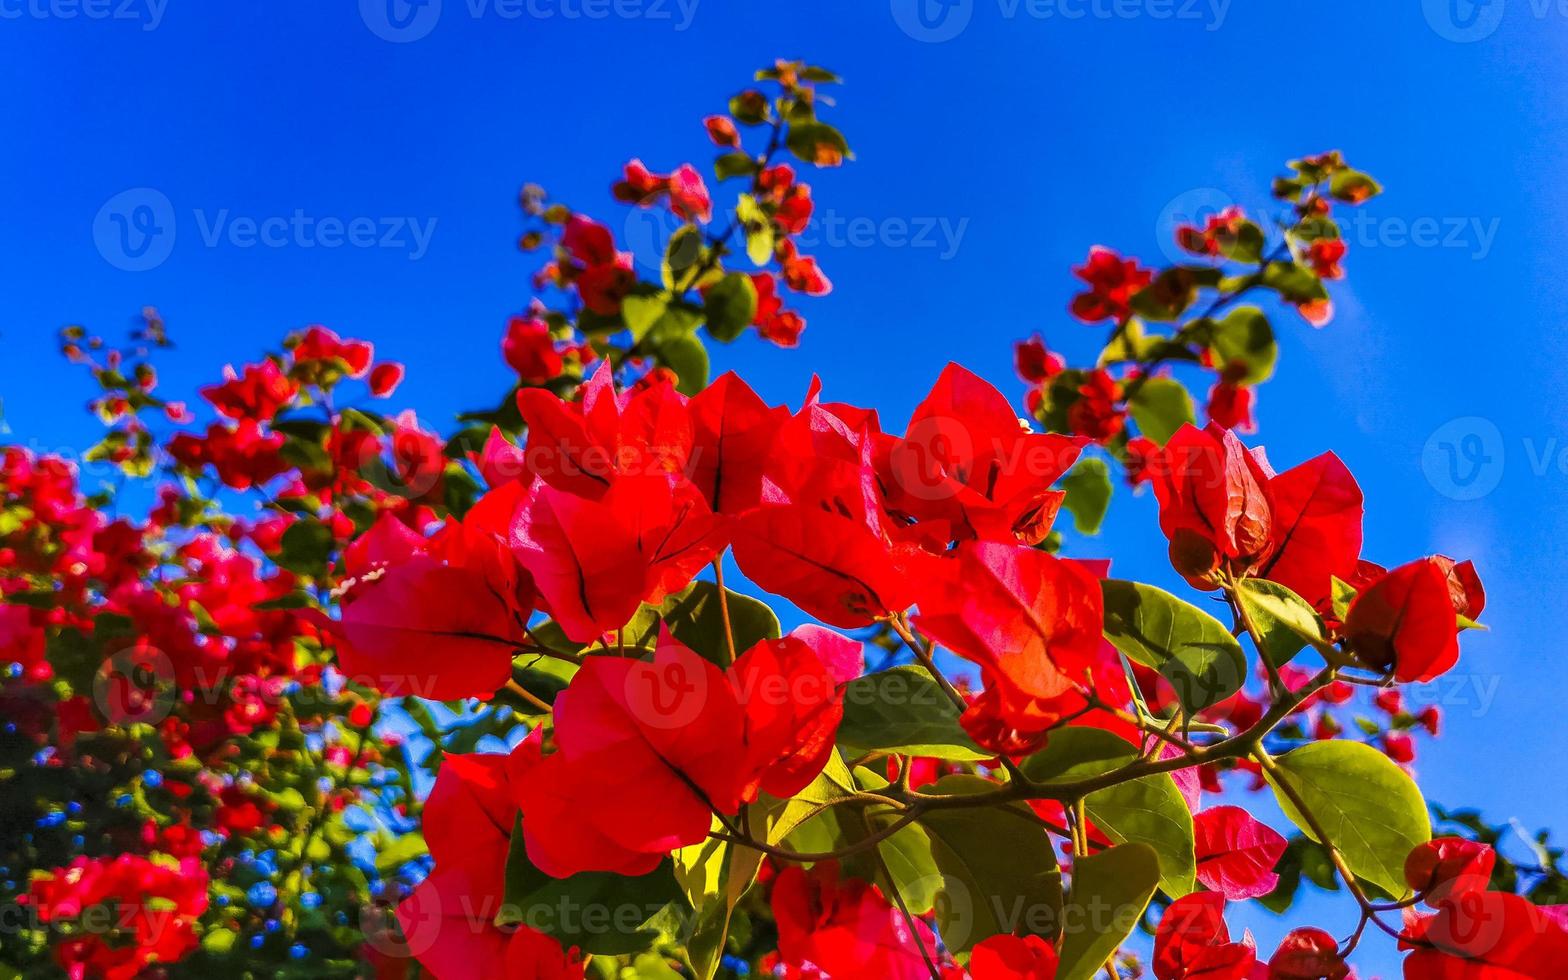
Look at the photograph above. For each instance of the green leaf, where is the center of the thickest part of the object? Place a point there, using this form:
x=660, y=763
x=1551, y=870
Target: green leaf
x=1193, y=650
x=1244, y=338
x=1369, y=808
x=903, y=710
x=758, y=227
x=906, y=855
x=693, y=616
x=1110, y=892
x=1244, y=246
x=682, y=257
x=998, y=868
x=307, y=546
x=1294, y=283
x=700, y=871
x=1147, y=810
x=535, y=899
x=688, y=358
x=641, y=310
x=1088, y=497
x=1160, y=407
x=817, y=143
x=1353, y=186
x=735, y=164
x=1284, y=620
x=729, y=305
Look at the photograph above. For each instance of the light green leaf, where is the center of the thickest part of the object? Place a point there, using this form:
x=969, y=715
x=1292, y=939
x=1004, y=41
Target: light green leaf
x=729, y=305
x=1161, y=407
x=1110, y=891
x=903, y=710
x=1194, y=651
x=1285, y=621
x=1369, y=808
x=1088, y=489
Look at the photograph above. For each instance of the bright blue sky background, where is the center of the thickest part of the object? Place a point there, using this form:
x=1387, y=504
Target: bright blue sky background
x=1028, y=135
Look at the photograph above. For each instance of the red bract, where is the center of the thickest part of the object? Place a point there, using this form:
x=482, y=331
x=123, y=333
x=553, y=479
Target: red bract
x=721, y=129
x=1215, y=506
x=1404, y=623
x=1230, y=406
x=1477, y=935
x=1034, y=363
x=1464, y=586
x=259, y=393
x=1030, y=620
x=1192, y=942
x=1112, y=284
x=319, y=347
x=966, y=460
x=156, y=907
x=845, y=928
x=449, y=919
x=243, y=456
x=672, y=741
x=1217, y=228
x=596, y=561
x=1236, y=854
x=1005, y=957
x=1315, y=521
x=582, y=446
x=1308, y=954
x=689, y=195
x=800, y=271
x=384, y=378
x=1094, y=414
x=821, y=537
x=1447, y=866
x=529, y=349
x=732, y=439
x=639, y=185
x=441, y=623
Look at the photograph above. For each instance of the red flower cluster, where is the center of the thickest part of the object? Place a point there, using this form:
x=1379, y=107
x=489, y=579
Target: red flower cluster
x=1113, y=281
x=133, y=913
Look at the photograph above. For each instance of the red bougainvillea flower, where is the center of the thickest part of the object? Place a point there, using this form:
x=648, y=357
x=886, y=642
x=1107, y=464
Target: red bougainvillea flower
x=1446, y=866
x=448, y=921
x=821, y=537
x=1034, y=363
x=1005, y=957
x=1031, y=620
x=418, y=455
x=442, y=622
x=732, y=440
x=1214, y=503
x=243, y=457
x=603, y=276
x=320, y=345
x=529, y=349
x=1216, y=229
x=845, y=928
x=1192, y=942
x=582, y=446
x=1094, y=414
x=156, y=906
x=800, y=271
x=1481, y=935
x=1230, y=406
x=1325, y=255
x=1404, y=623
x=1236, y=854
x=672, y=740
x=259, y=393
x=1464, y=586
x=689, y=195
x=1112, y=284
x=1308, y=954
x=384, y=378
x=639, y=185
x=967, y=460
x=1315, y=520
x=721, y=129
x=596, y=561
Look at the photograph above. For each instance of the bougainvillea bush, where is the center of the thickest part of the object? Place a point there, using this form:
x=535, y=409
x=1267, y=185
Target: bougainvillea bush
x=308, y=689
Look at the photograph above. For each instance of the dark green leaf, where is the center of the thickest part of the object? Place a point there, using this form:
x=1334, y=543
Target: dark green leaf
x=729, y=305
x=903, y=710
x=1193, y=650
x=1110, y=891
x=1088, y=497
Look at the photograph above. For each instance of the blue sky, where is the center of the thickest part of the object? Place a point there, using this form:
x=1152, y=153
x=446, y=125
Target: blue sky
x=1015, y=133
